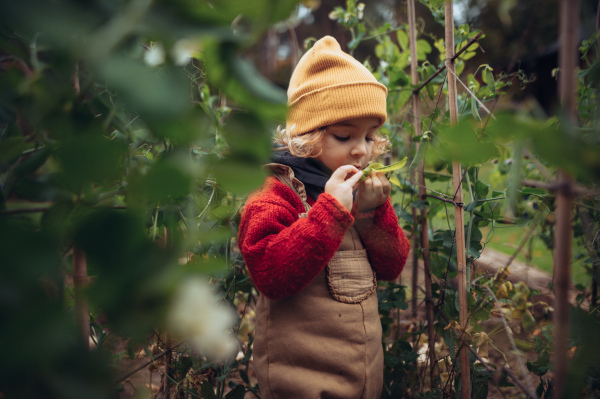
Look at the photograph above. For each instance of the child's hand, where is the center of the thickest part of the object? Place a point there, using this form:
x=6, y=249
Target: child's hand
x=373, y=192
x=341, y=186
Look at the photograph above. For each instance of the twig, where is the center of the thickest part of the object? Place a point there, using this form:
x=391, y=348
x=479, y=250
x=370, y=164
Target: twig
x=441, y=69
x=460, y=204
x=473, y=95
x=531, y=394
x=508, y=372
x=543, y=170
x=576, y=189
x=508, y=334
x=149, y=362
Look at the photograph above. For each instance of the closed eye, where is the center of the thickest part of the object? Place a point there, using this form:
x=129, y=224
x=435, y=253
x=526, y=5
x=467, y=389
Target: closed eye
x=341, y=138
x=370, y=138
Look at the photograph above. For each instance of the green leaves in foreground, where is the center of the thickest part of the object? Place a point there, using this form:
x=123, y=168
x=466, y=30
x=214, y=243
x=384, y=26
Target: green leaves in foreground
x=377, y=167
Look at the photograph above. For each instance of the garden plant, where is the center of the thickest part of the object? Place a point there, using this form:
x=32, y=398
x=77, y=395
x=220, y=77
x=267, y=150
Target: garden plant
x=131, y=133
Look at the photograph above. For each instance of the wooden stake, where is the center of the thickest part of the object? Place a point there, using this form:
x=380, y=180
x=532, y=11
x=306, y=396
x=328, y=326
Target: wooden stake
x=415, y=253
x=459, y=217
x=414, y=63
x=82, y=313
x=569, y=29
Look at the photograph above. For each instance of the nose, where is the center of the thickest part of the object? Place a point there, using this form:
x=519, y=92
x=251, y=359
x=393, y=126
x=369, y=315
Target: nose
x=359, y=149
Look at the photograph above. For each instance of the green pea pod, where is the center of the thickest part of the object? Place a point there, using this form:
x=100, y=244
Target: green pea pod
x=421, y=151
x=382, y=168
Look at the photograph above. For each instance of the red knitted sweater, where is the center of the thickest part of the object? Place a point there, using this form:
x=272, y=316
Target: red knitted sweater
x=284, y=252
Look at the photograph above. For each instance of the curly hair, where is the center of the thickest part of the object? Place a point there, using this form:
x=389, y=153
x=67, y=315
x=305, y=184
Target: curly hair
x=310, y=144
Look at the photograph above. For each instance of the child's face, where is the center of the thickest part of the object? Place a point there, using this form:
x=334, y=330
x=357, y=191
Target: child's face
x=349, y=143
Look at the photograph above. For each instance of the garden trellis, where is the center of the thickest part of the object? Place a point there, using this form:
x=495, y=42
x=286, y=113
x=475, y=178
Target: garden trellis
x=137, y=173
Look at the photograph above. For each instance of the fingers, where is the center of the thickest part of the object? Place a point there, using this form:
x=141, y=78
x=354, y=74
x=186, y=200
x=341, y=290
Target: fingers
x=340, y=174
x=353, y=181
x=377, y=185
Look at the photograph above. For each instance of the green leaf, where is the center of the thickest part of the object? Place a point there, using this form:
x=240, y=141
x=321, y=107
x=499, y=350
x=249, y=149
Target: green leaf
x=244, y=376
x=33, y=162
x=471, y=206
x=211, y=266
x=394, y=180
x=461, y=143
x=166, y=180
x=481, y=189
x=423, y=48
x=402, y=39
x=240, y=176
x=475, y=109
x=254, y=82
x=94, y=159
x=11, y=148
x=236, y=393
x=207, y=391
x=489, y=77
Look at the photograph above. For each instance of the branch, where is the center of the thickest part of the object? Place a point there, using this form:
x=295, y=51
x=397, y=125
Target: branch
x=519, y=384
x=509, y=335
x=459, y=204
x=149, y=362
x=441, y=69
x=508, y=372
x=576, y=190
x=543, y=170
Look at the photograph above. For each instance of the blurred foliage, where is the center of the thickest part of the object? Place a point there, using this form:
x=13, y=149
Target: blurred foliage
x=134, y=161
x=133, y=130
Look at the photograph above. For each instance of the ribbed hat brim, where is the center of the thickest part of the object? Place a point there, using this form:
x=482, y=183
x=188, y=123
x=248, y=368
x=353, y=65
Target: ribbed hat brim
x=333, y=104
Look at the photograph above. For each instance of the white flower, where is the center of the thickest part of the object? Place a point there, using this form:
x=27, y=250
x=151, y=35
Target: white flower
x=155, y=55
x=360, y=7
x=183, y=51
x=198, y=316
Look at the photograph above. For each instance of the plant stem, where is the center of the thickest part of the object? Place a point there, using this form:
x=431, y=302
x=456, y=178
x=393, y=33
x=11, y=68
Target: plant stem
x=470, y=228
x=421, y=176
x=453, y=58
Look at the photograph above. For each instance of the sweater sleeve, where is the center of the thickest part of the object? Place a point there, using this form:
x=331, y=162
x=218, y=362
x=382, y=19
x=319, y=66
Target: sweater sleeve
x=284, y=252
x=386, y=244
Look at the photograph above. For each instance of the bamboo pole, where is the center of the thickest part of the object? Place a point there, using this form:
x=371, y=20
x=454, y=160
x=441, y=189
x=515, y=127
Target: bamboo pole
x=459, y=217
x=82, y=314
x=568, y=28
x=412, y=37
x=415, y=254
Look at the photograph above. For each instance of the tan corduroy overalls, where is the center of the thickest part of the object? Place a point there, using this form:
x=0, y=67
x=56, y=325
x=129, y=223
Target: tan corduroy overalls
x=324, y=342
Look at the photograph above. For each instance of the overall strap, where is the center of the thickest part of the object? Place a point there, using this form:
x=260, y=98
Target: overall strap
x=285, y=174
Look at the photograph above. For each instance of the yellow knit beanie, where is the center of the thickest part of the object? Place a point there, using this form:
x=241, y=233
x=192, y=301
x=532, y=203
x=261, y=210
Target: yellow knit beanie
x=329, y=86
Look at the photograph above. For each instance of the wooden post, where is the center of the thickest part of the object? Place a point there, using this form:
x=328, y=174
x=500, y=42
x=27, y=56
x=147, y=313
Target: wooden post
x=569, y=29
x=459, y=217
x=412, y=37
x=82, y=313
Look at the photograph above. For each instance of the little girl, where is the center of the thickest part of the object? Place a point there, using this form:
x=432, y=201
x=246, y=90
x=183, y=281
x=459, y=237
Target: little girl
x=316, y=239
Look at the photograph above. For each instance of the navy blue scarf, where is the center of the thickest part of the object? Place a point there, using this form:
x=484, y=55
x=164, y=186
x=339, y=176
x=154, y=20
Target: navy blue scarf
x=311, y=172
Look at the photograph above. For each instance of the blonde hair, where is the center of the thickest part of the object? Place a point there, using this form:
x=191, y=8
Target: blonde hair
x=310, y=144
